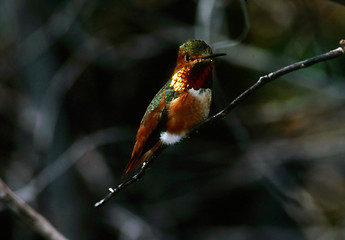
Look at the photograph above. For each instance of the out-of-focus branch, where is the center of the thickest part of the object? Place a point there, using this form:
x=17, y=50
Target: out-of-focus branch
x=34, y=220
x=262, y=81
x=68, y=158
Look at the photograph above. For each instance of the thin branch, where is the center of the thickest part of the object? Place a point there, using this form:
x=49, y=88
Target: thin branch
x=272, y=76
x=34, y=220
x=136, y=177
x=113, y=191
x=262, y=81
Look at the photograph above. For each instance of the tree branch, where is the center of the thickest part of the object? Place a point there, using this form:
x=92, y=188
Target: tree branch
x=35, y=221
x=262, y=81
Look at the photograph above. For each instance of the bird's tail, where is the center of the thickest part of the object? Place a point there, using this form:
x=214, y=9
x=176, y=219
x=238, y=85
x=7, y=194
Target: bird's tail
x=136, y=162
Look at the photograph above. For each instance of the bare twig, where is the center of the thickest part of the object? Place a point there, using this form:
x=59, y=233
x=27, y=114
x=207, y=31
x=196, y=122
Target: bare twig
x=136, y=177
x=272, y=76
x=34, y=220
x=262, y=81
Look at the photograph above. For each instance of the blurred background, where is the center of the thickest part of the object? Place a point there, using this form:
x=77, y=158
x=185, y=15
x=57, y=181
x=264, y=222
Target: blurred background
x=76, y=77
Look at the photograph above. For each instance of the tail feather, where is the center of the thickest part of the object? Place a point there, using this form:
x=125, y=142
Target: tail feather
x=137, y=160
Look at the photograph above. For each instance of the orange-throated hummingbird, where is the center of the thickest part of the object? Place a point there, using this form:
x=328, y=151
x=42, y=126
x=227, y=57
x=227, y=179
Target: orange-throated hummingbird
x=182, y=103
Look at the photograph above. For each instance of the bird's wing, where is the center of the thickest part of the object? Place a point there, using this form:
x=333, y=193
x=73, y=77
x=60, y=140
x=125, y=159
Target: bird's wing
x=152, y=124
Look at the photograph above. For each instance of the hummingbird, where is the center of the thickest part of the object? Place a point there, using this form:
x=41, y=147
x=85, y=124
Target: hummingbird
x=182, y=103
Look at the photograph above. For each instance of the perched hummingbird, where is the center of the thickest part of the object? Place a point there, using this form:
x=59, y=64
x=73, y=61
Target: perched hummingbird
x=182, y=103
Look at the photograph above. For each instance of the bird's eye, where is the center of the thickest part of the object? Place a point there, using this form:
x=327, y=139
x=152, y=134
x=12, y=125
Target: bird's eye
x=187, y=58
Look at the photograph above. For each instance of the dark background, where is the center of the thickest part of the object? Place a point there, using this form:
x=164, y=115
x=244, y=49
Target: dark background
x=76, y=77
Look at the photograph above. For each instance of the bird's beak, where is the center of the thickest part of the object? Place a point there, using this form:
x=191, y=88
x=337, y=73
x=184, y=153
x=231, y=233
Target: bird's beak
x=213, y=55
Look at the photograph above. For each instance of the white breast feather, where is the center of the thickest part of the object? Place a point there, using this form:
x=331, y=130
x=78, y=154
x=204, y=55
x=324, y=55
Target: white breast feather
x=170, y=139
